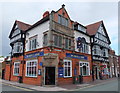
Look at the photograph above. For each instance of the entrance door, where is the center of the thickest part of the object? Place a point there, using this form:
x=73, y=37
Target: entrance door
x=96, y=73
x=50, y=76
x=3, y=73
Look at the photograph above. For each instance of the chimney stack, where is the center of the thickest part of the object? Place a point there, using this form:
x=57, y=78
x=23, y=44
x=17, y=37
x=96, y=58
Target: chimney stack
x=45, y=14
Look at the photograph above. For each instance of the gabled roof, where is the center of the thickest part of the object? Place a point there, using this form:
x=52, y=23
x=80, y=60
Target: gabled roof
x=92, y=29
x=44, y=19
x=21, y=25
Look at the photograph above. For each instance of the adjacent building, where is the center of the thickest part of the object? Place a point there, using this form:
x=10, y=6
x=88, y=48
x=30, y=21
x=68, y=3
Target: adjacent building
x=100, y=46
x=114, y=64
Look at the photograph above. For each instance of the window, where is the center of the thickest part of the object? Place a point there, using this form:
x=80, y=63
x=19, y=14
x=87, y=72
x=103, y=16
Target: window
x=16, y=68
x=69, y=43
x=67, y=68
x=81, y=28
x=18, y=47
x=96, y=50
x=31, y=68
x=84, y=48
x=45, y=39
x=84, y=69
x=58, y=41
x=55, y=40
x=33, y=43
x=62, y=20
x=66, y=43
x=16, y=32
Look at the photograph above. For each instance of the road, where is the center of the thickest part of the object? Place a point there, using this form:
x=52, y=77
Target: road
x=109, y=86
x=6, y=87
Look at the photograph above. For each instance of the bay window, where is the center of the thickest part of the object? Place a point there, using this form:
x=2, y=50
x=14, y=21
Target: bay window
x=31, y=68
x=58, y=40
x=18, y=47
x=67, y=68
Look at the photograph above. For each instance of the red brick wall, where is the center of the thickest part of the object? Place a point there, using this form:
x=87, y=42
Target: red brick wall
x=7, y=72
x=37, y=81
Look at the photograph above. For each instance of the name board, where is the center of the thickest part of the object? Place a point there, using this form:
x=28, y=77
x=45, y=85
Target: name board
x=60, y=72
x=36, y=54
x=41, y=63
x=77, y=56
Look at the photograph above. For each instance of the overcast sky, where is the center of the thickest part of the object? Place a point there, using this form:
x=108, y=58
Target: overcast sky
x=83, y=12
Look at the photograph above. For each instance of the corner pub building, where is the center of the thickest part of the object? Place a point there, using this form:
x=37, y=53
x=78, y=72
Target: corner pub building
x=53, y=51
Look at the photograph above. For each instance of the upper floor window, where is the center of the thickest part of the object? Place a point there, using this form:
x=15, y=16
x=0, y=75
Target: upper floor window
x=62, y=20
x=17, y=31
x=82, y=45
x=18, y=47
x=67, y=43
x=81, y=28
x=33, y=43
x=58, y=40
x=16, y=68
x=105, y=52
x=96, y=50
x=45, y=39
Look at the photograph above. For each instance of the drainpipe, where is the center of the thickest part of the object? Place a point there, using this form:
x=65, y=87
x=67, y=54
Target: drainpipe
x=23, y=41
x=91, y=43
x=10, y=65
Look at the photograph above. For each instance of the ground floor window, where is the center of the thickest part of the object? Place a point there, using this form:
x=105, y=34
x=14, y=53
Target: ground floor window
x=67, y=68
x=84, y=68
x=16, y=68
x=31, y=68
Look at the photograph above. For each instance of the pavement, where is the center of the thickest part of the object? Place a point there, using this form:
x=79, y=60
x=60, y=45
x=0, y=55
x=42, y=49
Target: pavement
x=70, y=87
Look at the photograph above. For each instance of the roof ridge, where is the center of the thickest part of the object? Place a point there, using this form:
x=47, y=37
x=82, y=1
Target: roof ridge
x=94, y=23
x=23, y=22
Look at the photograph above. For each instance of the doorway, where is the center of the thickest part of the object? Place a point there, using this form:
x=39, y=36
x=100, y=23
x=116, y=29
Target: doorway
x=96, y=70
x=49, y=75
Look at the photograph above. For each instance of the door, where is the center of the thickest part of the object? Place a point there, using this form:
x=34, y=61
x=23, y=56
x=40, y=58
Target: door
x=96, y=73
x=50, y=76
x=3, y=73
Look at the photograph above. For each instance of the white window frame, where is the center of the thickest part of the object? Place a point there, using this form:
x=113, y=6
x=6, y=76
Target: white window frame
x=70, y=68
x=35, y=60
x=16, y=45
x=82, y=66
x=16, y=74
x=31, y=44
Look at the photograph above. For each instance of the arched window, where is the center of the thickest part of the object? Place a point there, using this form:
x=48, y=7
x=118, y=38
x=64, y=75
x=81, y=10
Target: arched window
x=84, y=68
x=82, y=45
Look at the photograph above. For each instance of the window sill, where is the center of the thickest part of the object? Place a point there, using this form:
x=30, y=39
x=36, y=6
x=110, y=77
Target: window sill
x=16, y=74
x=86, y=75
x=32, y=76
x=67, y=76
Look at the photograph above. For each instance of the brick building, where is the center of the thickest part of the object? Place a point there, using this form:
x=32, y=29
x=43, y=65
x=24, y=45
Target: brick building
x=114, y=64
x=53, y=51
